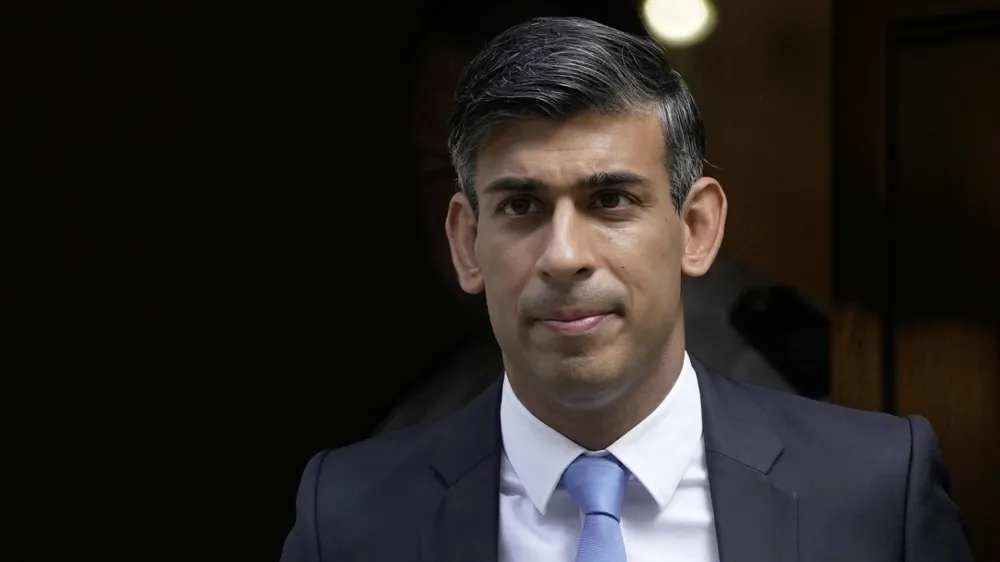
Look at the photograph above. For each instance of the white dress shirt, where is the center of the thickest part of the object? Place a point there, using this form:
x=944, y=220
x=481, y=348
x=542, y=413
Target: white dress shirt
x=667, y=510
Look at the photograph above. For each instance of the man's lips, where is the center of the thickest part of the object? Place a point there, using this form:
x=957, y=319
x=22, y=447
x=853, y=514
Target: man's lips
x=570, y=314
x=572, y=321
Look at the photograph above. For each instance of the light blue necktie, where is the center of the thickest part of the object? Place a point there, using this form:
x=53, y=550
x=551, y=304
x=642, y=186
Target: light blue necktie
x=597, y=484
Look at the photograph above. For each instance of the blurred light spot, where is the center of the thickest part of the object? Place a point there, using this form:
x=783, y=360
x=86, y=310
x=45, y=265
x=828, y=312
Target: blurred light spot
x=679, y=23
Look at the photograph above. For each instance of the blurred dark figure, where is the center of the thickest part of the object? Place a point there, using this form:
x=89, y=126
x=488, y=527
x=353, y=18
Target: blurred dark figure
x=752, y=350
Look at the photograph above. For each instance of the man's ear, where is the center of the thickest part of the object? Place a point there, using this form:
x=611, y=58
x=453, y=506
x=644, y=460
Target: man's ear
x=462, y=229
x=704, y=216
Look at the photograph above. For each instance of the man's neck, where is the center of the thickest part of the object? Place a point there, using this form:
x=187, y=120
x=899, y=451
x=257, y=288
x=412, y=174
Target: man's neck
x=596, y=429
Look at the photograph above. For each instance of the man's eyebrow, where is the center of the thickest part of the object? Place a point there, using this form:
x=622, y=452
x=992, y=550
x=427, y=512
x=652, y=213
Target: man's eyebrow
x=515, y=184
x=613, y=178
x=512, y=184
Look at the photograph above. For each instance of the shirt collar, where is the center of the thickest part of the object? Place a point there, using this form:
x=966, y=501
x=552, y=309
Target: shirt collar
x=657, y=451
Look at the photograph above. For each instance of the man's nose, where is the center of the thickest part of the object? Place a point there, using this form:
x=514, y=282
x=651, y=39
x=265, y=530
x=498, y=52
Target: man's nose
x=568, y=255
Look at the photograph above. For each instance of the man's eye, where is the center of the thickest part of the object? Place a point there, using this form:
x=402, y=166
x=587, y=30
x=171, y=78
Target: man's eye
x=612, y=200
x=520, y=206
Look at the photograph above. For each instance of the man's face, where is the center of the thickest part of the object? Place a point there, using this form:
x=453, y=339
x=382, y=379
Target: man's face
x=579, y=250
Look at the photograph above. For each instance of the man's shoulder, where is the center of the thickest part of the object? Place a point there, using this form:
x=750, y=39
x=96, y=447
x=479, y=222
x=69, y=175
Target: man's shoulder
x=386, y=455
x=801, y=408
x=408, y=458
x=389, y=478
x=815, y=432
x=363, y=475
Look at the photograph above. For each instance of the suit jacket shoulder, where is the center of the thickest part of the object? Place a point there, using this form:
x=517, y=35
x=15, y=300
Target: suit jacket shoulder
x=869, y=439
x=874, y=479
x=372, y=500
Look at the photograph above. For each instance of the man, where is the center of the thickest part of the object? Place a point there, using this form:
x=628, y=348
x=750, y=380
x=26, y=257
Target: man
x=582, y=204
x=468, y=358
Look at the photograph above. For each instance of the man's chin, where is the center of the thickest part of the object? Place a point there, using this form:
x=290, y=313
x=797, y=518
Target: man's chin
x=585, y=382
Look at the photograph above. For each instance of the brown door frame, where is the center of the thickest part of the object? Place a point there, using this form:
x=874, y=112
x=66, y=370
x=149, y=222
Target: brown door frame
x=864, y=160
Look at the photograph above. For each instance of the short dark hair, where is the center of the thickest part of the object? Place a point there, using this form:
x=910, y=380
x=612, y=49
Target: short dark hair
x=557, y=68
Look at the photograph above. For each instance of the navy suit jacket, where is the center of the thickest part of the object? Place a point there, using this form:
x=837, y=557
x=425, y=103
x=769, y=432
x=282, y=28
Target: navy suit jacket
x=791, y=480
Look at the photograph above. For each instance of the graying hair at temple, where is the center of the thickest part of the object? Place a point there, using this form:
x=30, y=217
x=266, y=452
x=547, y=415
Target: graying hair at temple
x=558, y=68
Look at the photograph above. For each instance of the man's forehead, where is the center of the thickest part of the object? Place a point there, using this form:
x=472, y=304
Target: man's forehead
x=561, y=152
x=628, y=134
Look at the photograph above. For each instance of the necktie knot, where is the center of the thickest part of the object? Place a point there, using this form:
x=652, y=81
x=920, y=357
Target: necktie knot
x=597, y=485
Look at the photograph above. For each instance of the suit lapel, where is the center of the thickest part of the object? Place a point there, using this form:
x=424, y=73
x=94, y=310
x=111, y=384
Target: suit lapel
x=468, y=463
x=755, y=519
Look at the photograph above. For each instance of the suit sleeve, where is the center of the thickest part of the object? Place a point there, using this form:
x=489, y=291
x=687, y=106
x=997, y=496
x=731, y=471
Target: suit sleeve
x=302, y=544
x=934, y=531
